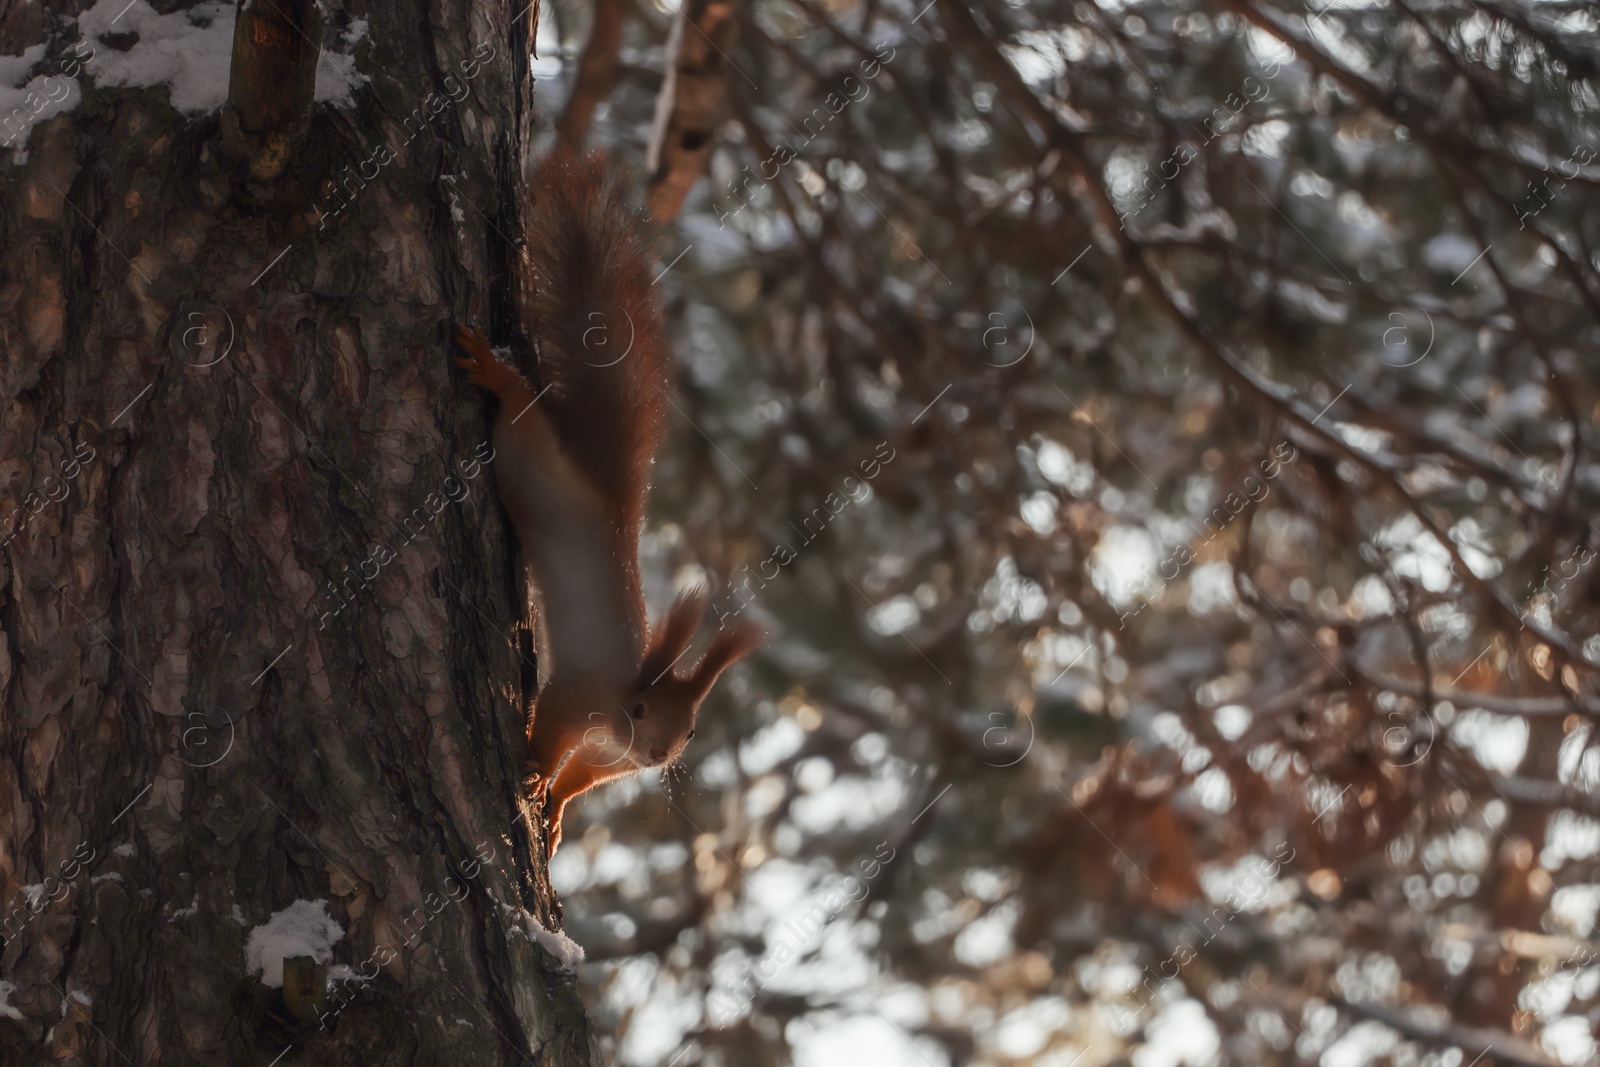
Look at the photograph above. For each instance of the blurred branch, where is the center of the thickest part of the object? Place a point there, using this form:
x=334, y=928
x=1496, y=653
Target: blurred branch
x=1402, y=109
x=1494, y=1046
x=1496, y=702
x=597, y=71
x=692, y=101
x=1548, y=794
x=1180, y=309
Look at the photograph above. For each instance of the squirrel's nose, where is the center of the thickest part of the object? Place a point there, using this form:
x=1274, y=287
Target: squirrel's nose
x=658, y=755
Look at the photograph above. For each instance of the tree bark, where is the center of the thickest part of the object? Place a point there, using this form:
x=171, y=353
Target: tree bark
x=259, y=636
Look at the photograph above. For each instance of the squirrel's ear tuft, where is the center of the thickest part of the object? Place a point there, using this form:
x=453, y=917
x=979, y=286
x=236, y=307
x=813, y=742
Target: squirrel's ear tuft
x=727, y=648
x=673, y=634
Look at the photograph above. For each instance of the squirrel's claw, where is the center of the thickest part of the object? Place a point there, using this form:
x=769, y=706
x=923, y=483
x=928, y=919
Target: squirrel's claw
x=476, y=346
x=472, y=339
x=537, y=785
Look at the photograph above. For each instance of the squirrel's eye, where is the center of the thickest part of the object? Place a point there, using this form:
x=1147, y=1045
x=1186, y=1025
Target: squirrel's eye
x=638, y=711
x=690, y=737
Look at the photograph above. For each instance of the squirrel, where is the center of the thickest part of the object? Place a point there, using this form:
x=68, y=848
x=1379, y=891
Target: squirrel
x=573, y=472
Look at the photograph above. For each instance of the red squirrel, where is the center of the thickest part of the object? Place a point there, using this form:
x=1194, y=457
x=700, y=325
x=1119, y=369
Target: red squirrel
x=572, y=469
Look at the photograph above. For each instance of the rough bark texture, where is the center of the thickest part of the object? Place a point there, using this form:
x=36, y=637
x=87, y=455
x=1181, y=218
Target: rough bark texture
x=257, y=624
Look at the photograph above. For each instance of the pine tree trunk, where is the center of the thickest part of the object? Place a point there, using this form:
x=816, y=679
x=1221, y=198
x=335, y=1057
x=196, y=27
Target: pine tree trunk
x=258, y=630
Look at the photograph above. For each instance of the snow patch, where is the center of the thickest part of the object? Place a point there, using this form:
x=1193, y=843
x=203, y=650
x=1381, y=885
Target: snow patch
x=187, y=51
x=343, y=972
x=304, y=928
x=1449, y=252
x=6, y=1010
x=14, y=68
x=78, y=995
x=337, y=79
x=126, y=849
x=190, y=52
x=1312, y=302
x=25, y=102
x=566, y=951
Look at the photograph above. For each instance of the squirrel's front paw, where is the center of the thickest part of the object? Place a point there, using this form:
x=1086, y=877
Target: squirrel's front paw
x=479, y=357
x=534, y=781
x=555, y=827
x=473, y=342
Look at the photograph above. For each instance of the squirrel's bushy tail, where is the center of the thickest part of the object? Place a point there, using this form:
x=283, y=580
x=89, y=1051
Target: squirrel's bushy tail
x=585, y=286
